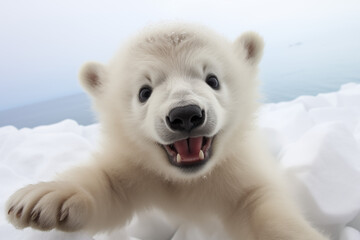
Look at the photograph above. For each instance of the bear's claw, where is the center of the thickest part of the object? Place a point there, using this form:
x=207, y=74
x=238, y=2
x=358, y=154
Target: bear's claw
x=49, y=205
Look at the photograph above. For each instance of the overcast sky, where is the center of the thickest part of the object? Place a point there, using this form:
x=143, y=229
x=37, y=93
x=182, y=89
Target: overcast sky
x=43, y=43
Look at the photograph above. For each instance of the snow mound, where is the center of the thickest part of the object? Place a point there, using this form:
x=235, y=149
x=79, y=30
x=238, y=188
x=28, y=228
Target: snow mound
x=315, y=138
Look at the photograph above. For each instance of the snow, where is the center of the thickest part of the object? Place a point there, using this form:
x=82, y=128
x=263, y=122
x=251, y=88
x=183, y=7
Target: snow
x=315, y=138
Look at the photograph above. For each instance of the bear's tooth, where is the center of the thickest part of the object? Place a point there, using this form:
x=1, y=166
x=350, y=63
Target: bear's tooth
x=201, y=155
x=178, y=158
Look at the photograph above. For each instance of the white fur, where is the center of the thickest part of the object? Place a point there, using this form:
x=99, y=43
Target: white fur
x=239, y=184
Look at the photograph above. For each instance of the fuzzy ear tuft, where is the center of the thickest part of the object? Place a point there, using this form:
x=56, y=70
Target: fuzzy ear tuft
x=250, y=47
x=92, y=76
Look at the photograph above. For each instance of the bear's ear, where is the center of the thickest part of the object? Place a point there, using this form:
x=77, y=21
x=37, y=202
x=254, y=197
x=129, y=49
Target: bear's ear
x=92, y=76
x=249, y=46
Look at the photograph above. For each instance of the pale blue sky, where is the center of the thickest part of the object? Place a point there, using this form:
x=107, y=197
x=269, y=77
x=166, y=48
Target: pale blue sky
x=43, y=43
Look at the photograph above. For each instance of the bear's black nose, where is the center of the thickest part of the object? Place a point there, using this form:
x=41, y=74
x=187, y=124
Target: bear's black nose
x=185, y=118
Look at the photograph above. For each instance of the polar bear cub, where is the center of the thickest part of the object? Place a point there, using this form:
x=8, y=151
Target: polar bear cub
x=177, y=106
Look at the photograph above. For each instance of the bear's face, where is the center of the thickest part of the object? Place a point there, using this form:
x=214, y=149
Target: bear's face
x=177, y=94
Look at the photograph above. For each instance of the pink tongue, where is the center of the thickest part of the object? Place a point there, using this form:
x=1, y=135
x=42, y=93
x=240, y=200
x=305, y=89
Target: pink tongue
x=189, y=148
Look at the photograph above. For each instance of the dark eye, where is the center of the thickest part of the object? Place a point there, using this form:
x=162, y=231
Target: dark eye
x=213, y=82
x=144, y=93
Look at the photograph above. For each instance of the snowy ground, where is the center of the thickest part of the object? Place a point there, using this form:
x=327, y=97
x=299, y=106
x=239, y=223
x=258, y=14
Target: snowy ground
x=316, y=139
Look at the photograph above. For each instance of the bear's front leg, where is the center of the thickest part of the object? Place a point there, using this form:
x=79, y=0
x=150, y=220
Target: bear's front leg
x=83, y=199
x=267, y=214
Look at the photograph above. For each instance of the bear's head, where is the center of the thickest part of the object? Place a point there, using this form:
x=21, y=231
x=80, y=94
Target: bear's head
x=176, y=98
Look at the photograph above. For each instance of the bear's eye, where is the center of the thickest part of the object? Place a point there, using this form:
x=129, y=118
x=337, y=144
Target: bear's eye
x=213, y=82
x=144, y=93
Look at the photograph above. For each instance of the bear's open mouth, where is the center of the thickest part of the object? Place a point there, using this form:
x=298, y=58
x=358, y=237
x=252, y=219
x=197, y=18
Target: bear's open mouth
x=190, y=152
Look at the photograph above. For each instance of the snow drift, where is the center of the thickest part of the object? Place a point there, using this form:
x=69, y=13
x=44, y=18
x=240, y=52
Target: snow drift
x=315, y=138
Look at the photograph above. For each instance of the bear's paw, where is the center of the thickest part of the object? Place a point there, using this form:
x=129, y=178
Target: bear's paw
x=50, y=205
